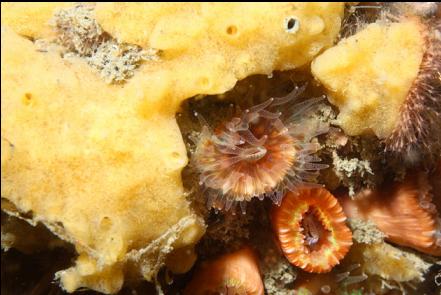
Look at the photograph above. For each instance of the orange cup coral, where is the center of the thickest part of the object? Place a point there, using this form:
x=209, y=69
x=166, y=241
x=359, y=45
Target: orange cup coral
x=256, y=154
x=403, y=211
x=310, y=226
x=234, y=273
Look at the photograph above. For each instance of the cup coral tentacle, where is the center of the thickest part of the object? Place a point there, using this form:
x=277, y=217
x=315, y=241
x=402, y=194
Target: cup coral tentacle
x=261, y=153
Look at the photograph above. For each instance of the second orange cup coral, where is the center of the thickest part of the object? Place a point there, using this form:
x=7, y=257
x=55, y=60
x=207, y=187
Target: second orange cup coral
x=310, y=226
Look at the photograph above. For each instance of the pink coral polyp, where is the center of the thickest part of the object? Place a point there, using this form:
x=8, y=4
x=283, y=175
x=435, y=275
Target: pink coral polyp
x=260, y=154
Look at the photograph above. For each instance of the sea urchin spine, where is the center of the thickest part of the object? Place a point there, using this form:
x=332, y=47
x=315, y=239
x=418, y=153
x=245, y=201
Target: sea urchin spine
x=260, y=154
x=418, y=131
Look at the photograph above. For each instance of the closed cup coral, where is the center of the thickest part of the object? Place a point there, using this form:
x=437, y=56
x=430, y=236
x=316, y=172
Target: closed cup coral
x=260, y=154
x=233, y=273
x=310, y=226
x=403, y=211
